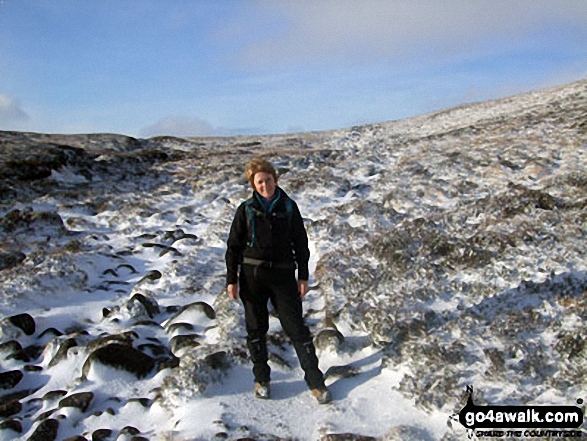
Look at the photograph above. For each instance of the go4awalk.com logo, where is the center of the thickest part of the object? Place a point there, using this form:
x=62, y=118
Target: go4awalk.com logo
x=521, y=421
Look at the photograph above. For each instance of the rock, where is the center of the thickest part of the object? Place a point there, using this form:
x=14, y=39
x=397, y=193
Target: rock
x=164, y=250
x=46, y=431
x=10, y=379
x=180, y=327
x=196, y=372
x=145, y=402
x=27, y=170
x=9, y=408
x=102, y=435
x=345, y=371
x=62, y=351
x=111, y=272
x=45, y=415
x=81, y=401
x=131, y=269
x=24, y=322
x=328, y=338
x=121, y=357
x=14, y=425
x=129, y=430
x=169, y=249
x=27, y=161
x=54, y=395
x=218, y=360
x=32, y=368
x=183, y=341
x=126, y=339
x=10, y=259
x=172, y=309
x=151, y=276
x=199, y=306
x=19, y=222
x=52, y=332
x=151, y=307
x=11, y=349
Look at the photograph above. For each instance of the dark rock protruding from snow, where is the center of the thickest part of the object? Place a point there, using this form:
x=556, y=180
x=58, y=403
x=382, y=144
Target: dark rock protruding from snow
x=121, y=357
x=28, y=221
x=81, y=401
x=103, y=435
x=150, y=305
x=25, y=322
x=10, y=424
x=11, y=258
x=199, y=306
x=20, y=162
x=180, y=342
x=9, y=408
x=46, y=431
x=328, y=338
x=12, y=349
x=10, y=379
x=61, y=353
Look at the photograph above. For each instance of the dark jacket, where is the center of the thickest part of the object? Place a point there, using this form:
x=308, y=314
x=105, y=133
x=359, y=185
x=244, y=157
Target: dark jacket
x=276, y=236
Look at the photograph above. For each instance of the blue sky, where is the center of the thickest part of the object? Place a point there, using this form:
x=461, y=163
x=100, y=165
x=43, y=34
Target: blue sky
x=224, y=67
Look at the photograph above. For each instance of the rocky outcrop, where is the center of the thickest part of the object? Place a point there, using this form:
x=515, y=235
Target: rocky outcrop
x=10, y=258
x=46, y=431
x=80, y=400
x=121, y=357
x=10, y=379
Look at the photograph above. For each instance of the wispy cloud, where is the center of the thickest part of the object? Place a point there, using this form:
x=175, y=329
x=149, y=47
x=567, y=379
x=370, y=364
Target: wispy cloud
x=11, y=110
x=335, y=30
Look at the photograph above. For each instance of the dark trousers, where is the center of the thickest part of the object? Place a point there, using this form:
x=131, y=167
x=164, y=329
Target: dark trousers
x=258, y=285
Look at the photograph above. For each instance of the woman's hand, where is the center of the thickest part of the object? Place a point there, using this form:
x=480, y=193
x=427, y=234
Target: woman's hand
x=232, y=291
x=302, y=288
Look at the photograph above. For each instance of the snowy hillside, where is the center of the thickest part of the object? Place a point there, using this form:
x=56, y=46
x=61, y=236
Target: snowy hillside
x=447, y=250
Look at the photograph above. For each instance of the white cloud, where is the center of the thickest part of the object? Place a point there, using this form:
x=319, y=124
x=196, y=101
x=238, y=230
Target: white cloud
x=181, y=126
x=11, y=110
x=185, y=126
x=358, y=30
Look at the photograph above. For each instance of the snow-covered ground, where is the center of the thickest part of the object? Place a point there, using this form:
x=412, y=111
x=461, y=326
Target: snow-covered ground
x=447, y=250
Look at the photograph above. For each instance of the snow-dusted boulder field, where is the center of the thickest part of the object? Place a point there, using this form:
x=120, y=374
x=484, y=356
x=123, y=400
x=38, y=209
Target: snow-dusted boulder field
x=448, y=250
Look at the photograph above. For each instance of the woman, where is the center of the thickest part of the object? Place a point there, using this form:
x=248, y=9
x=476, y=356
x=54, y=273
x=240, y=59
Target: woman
x=267, y=242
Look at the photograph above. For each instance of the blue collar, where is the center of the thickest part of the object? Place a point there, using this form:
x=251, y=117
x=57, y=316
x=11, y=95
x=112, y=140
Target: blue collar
x=268, y=204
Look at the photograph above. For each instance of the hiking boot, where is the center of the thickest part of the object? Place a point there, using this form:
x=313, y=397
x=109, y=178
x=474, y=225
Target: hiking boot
x=322, y=394
x=262, y=390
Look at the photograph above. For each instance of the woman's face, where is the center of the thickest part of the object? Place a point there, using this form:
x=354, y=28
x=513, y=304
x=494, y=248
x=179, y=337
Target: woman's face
x=265, y=184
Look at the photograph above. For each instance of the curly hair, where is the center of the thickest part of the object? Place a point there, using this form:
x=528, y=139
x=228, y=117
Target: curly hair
x=257, y=165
